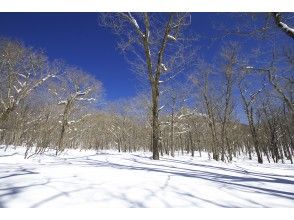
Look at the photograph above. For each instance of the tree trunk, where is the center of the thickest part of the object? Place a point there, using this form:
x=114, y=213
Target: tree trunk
x=6, y=113
x=172, y=150
x=256, y=147
x=60, y=141
x=191, y=144
x=155, y=121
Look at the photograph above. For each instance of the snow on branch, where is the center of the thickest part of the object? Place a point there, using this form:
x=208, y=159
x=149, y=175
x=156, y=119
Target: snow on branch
x=163, y=67
x=133, y=20
x=79, y=120
x=84, y=99
x=80, y=93
x=256, y=69
x=40, y=82
x=21, y=84
x=284, y=27
x=165, y=123
x=22, y=75
x=62, y=102
x=287, y=28
x=171, y=37
x=161, y=108
x=17, y=90
x=182, y=132
x=185, y=115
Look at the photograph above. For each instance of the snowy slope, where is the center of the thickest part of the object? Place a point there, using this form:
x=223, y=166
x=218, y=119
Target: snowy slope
x=111, y=179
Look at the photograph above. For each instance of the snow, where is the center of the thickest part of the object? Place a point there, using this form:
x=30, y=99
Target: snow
x=161, y=108
x=17, y=90
x=163, y=67
x=111, y=179
x=47, y=77
x=171, y=37
x=84, y=99
x=134, y=21
x=22, y=75
x=21, y=84
x=80, y=93
x=64, y=102
x=286, y=27
x=185, y=115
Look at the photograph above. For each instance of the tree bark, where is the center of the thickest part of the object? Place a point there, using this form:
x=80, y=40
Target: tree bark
x=155, y=121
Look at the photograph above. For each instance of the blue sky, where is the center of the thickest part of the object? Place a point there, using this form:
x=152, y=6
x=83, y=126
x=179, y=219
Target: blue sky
x=76, y=38
x=79, y=40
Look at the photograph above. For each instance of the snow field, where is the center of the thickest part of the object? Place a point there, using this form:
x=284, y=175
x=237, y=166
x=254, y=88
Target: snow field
x=111, y=179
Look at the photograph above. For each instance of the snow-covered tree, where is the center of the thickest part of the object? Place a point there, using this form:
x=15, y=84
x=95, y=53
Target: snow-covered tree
x=157, y=51
x=74, y=89
x=22, y=70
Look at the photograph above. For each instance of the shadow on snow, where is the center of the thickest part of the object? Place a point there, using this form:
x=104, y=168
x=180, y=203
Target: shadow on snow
x=240, y=182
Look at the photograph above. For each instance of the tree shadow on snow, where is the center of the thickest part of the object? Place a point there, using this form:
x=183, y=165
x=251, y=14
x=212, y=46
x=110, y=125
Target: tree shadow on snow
x=232, y=178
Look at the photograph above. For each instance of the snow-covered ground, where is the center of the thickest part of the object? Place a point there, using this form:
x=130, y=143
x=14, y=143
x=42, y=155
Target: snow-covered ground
x=112, y=179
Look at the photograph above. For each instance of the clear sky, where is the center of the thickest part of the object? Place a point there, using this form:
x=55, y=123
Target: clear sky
x=79, y=40
x=76, y=38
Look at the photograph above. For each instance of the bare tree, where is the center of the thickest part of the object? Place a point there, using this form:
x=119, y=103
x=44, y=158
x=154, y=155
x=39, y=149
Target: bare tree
x=209, y=100
x=229, y=54
x=282, y=25
x=74, y=89
x=275, y=80
x=248, y=101
x=22, y=70
x=174, y=98
x=155, y=42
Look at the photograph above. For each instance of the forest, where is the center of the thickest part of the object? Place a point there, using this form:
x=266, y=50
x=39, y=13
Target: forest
x=188, y=104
